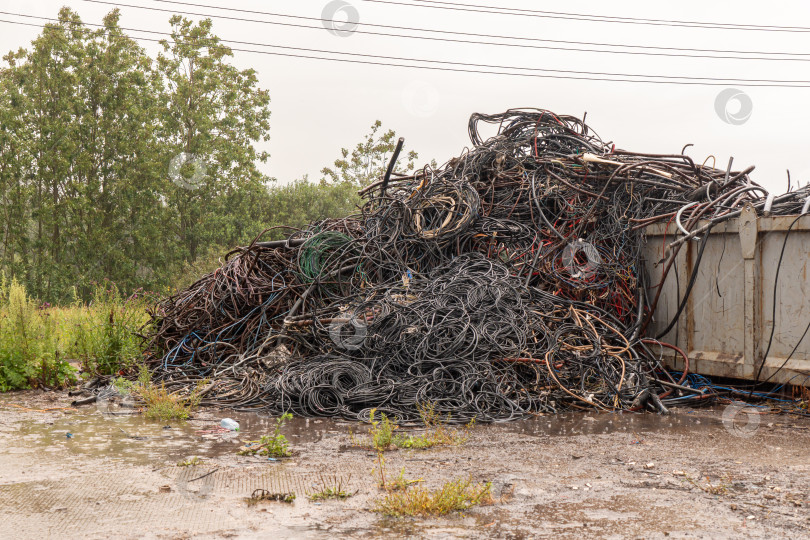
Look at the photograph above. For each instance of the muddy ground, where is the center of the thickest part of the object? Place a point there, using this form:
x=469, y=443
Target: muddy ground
x=688, y=475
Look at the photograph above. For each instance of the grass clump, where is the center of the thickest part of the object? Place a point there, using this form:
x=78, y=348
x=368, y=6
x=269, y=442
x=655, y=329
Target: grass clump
x=437, y=433
x=160, y=404
x=454, y=496
x=191, y=462
x=331, y=488
x=274, y=445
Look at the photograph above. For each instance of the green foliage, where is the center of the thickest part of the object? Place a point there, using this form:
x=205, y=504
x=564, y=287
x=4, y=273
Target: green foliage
x=191, y=462
x=214, y=112
x=367, y=162
x=454, y=496
x=436, y=431
x=30, y=350
x=331, y=488
x=89, y=125
x=163, y=405
x=382, y=436
x=381, y=432
x=301, y=202
x=105, y=334
x=274, y=445
x=37, y=340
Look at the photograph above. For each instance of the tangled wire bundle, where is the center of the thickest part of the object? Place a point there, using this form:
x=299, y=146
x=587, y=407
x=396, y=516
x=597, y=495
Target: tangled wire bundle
x=505, y=283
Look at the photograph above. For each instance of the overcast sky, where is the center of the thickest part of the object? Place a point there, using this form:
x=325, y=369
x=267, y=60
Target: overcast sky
x=320, y=106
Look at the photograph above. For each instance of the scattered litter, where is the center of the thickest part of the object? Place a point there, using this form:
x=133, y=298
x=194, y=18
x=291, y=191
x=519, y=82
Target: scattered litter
x=229, y=424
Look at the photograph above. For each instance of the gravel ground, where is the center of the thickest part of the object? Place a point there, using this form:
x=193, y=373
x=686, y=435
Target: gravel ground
x=116, y=475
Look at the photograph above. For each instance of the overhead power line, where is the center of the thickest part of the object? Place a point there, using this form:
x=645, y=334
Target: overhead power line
x=468, y=67
x=524, y=42
x=500, y=10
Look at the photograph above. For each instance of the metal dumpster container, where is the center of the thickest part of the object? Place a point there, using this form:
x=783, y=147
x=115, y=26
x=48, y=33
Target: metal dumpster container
x=726, y=324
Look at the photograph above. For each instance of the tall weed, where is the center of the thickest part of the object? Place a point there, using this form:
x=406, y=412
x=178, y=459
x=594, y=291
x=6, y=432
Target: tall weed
x=38, y=342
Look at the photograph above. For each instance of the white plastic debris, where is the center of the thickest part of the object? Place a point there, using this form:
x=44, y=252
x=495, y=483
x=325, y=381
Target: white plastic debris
x=229, y=423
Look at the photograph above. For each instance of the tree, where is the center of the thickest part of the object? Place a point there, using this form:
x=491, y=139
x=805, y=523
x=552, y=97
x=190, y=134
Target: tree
x=83, y=114
x=212, y=115
x=369, y=159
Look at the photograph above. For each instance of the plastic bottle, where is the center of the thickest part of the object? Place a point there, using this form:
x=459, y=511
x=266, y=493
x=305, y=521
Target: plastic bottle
x=230, y=424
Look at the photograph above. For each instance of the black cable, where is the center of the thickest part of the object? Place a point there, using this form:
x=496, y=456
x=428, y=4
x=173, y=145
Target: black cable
x=692, y=279
x=773, y=312
x=475, y=8
x=705, y=81
x=514, y=38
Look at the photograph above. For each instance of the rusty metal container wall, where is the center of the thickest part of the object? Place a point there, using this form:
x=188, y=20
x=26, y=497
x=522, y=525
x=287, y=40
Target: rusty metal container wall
x=727, y=321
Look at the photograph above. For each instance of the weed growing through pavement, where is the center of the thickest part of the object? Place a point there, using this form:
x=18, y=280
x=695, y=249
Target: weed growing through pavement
x=453, y=496
x=164, y=405
x=398, y=483
x=274, y=445
x=437, y=434
x=331, y=488
x=381, y=434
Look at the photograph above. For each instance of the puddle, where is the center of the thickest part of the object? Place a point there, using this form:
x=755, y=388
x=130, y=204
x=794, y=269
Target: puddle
x=573, y=424
x=138, y=440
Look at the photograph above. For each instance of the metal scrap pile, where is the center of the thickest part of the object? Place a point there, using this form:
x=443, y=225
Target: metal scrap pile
x=507, y=282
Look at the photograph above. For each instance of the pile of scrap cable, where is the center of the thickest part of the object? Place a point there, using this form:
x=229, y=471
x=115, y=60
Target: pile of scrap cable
x=507, y=282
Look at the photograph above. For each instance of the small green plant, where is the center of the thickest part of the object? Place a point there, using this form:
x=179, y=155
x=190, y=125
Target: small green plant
x=261, y=494
x=380, y=434
x=453, y=496
x=331, y=488
x=398, y=483
x=191, y=462
x=436, y=431
x=274, y=445
x=382, y=431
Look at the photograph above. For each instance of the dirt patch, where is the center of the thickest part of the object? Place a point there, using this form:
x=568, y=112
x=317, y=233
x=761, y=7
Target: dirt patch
x=566, y=476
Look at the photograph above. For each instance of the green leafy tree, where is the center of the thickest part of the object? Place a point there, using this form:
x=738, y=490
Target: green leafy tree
x=116, y=171
x=79, y=178
x=367, y=162
x=213, y=114
x=14, y=154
